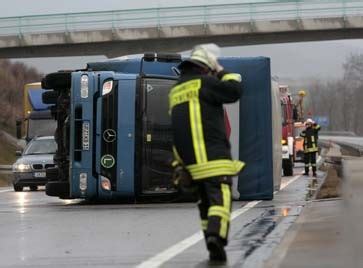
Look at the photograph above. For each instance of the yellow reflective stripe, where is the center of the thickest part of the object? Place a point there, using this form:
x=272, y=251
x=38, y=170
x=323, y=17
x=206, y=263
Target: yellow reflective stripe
x=183, y=96
x=219, y=211
x=232, y=76
x=192, y=84
x=204, y=224
x=226, y=196
x=215, y=168
x=226, y=193
x=197, y=131
x=311, y=150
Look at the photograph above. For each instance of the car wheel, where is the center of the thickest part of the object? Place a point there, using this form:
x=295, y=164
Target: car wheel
x=33, y=188
x=18, y=188
x=57, y=81
x=50, y=97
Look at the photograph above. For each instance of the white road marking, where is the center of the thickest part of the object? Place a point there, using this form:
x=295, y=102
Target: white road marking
x=4, y=191
x=181, y=246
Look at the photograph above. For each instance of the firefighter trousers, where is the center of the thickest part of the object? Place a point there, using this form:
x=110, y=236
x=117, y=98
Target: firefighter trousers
x=215, y=206
x=310, y=158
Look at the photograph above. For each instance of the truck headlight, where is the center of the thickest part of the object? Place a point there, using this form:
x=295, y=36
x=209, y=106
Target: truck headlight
x=83, y=181
x=85, y=136
x=107, y=87
x=105, y=183
x=21, y=167
x=84, y=86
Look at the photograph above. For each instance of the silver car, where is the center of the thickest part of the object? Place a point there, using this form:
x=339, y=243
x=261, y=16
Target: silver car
x=29, y=169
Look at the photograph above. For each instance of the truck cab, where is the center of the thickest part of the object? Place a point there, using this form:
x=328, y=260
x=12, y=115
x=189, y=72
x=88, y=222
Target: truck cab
x=119, y=133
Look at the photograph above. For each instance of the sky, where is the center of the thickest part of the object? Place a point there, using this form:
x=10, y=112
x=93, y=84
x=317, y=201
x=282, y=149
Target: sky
x=294, y=60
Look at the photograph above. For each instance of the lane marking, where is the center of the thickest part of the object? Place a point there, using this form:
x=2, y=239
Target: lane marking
x=4, y=191
x=171, y=252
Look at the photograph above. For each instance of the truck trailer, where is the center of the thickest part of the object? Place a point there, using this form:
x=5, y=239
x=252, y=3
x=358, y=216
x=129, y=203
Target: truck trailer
x=37, y=119
x=114, y=131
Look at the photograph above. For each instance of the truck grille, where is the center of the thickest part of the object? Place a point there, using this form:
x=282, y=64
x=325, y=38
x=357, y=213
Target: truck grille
x=109, y=136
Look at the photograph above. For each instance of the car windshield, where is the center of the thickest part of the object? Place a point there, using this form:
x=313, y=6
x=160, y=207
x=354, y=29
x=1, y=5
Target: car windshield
x=48, y=146
x=41, y=127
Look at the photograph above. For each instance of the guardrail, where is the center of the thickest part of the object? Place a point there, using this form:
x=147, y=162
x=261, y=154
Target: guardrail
x=6, y=169
x=174, y=16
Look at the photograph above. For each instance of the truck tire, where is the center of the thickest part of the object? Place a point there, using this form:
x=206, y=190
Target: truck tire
x=287, y=167
x=57, y=188
x=52, y=174
x=50, y=97
x=57, y=81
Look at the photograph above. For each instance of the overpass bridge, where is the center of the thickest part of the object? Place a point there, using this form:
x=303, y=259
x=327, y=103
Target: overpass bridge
x=120, y=32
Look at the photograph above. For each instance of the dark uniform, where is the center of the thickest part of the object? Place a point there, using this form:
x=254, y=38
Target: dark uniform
x=310, y=135
x=201, y=145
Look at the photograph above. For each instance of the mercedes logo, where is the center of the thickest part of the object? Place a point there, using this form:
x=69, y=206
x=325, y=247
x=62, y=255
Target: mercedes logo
x=109, y=135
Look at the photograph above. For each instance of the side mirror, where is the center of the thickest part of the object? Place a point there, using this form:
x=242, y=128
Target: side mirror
x=18, y=124
x=18, y=153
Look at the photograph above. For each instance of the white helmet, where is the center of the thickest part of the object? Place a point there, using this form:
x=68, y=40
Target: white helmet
x=309, y=121
x=204, y=55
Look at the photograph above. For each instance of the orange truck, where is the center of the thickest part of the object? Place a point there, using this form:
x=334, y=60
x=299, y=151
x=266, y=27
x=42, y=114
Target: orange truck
x=292, y=125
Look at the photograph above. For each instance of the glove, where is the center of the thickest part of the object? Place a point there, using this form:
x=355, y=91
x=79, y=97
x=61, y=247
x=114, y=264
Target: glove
x=183, y=180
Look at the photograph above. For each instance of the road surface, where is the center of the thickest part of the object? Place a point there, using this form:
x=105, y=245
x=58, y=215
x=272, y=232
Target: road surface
x=40, y=231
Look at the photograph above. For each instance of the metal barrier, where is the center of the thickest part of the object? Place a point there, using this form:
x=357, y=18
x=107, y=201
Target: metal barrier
x=174, y=16
x=6, y=169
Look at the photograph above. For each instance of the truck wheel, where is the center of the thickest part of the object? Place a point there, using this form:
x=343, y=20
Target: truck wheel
x=57, y=81
x=18, y=188
x=52, y=173
x=50, y=97
x=57, y=188
x=287, y=167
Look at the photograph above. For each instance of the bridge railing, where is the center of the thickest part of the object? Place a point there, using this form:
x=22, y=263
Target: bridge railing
x=175, y=16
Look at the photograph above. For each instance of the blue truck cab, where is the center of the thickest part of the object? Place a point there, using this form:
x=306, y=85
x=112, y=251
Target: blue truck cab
x=114, y=131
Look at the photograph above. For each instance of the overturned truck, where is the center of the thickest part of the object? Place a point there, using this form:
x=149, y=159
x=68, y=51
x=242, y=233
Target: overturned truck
x=114, y=131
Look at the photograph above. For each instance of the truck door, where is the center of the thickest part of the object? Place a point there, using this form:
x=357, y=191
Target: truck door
x=156, y=137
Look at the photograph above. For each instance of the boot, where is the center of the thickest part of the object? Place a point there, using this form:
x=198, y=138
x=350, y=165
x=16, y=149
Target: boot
x=216, y=249
x=314, y=171
x=306, y=171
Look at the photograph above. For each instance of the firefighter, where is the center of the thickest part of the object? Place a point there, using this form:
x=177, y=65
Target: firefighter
x=310, y=135
x=200, y=141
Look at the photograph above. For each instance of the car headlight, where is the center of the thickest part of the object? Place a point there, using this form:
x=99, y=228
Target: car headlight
x=21, y=167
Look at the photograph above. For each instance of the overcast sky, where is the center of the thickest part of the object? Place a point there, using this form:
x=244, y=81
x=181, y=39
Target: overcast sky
x=323, y=59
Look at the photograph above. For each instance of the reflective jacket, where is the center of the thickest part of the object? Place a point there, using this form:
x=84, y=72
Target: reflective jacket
x=310, y=136
x=196, y=107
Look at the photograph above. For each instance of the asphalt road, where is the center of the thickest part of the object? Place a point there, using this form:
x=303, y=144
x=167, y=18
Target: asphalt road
x=41, y=231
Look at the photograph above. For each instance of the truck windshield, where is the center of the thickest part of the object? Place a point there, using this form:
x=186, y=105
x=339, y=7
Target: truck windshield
x=41, y=127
